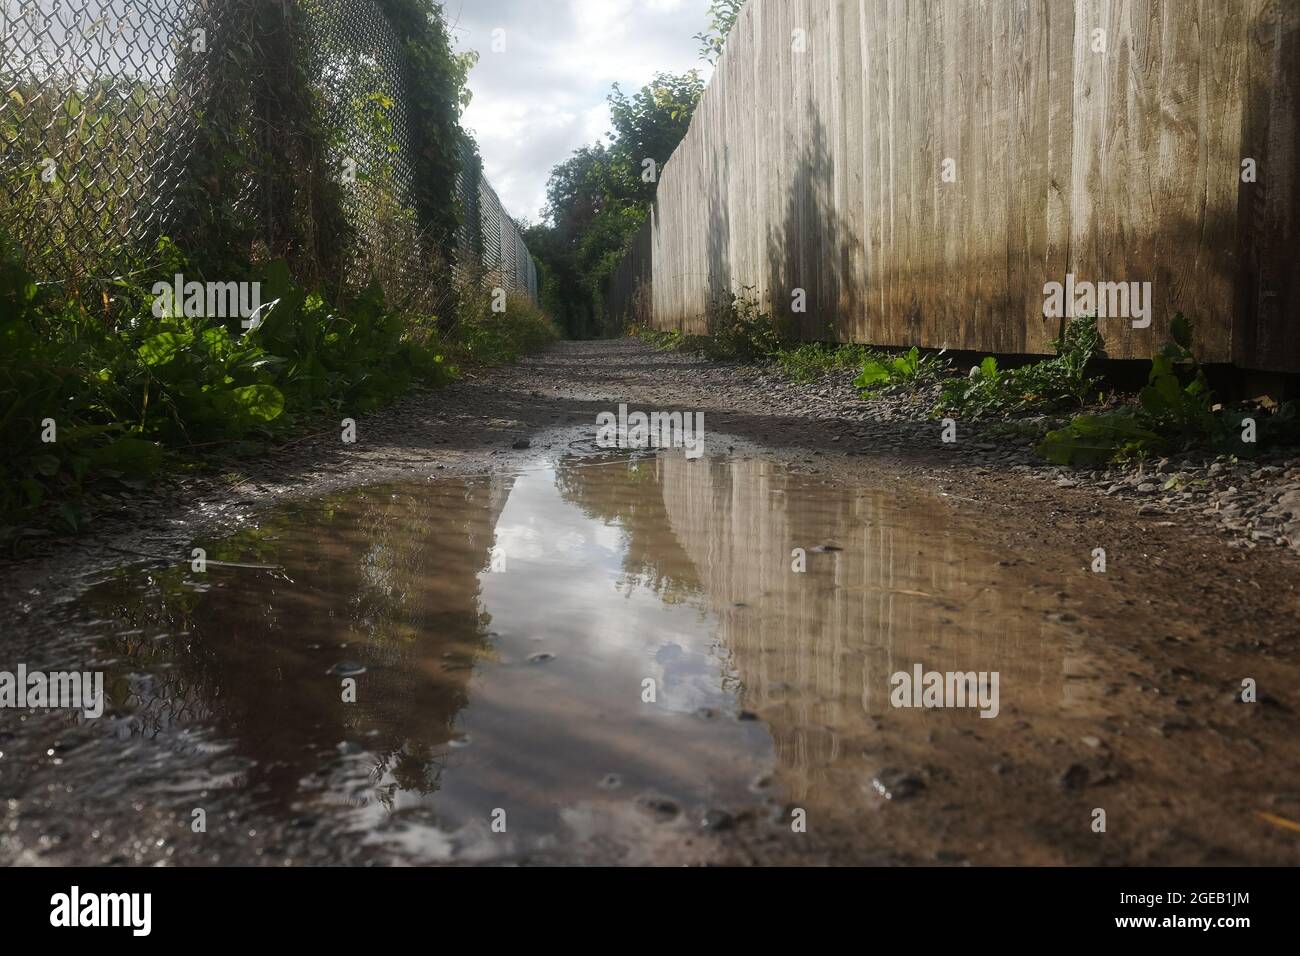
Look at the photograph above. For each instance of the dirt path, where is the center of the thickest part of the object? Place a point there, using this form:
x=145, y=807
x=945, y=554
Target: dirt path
x=1173, y=626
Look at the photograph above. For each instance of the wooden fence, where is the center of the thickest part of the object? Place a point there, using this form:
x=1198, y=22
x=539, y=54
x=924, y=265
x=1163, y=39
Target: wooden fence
x=922, y=169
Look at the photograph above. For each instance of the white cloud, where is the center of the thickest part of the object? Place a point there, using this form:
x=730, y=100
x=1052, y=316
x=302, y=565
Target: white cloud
x=544, y=96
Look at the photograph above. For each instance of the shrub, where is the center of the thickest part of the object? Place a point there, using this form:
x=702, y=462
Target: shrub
x=482, y=336
x=738, y=330
x=125, y=388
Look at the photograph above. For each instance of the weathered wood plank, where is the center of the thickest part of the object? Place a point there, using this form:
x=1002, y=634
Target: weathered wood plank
x=1113, y=156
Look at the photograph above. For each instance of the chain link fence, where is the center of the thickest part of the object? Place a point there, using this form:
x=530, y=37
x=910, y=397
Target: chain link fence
x=115, y=113
x=489, y=240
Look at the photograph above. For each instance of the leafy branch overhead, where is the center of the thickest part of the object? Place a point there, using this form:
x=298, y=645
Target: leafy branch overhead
x=722, y=17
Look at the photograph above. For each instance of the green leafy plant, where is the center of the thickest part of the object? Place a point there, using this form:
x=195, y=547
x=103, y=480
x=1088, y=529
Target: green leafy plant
x=117, y=391
x=1044, y=386
x=813, y=360
x=670, y=341
x=1092, y=440
x=911, y=370
x=738, y=330
x=722, y=17
x=1183, y=410
x=1176, y=411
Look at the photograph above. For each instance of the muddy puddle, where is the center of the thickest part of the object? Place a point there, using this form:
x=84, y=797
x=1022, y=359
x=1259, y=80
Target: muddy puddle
x=648, y=660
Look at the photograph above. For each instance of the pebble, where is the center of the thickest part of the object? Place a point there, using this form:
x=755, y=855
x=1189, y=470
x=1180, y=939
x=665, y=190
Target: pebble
x=661, y=807
x=1075, y=777
x=347, y=669
x=717, y=821
x=893, y=783
x=1263, y=495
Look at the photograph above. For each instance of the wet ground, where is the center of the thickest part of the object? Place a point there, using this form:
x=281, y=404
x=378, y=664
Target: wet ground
x=563, y=655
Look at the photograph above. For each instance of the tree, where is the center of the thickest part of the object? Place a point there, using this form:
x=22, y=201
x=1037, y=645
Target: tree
x=647, y=127
x=600, y=196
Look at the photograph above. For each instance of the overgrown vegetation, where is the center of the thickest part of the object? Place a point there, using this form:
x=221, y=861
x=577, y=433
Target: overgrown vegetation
x=738, y=330
x=1044, y=386
x=438, y=92
x=483, y=337
x=99, y=392
x=808, y=361
x=104, y=384
x=1176, y=411
x=661, y=341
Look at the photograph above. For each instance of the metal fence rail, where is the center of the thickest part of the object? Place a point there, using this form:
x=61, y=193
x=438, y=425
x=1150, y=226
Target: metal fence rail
x=504, y=254
x=102, y=103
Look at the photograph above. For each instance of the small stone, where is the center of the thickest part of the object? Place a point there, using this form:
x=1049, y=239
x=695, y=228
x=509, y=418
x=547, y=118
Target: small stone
x=717, y=821
x=1074, y=777
x=1289, y=503
x=895, y=784
x=661, y=807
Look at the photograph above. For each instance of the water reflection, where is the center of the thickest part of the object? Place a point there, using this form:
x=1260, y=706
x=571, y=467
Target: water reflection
x=385, y=580
x=644, y=656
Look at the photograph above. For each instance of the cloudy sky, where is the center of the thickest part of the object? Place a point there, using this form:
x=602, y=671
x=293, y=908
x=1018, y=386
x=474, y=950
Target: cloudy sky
x=544, y=95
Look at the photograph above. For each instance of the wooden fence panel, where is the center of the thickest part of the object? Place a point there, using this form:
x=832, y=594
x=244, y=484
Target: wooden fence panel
x=1098, y=138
